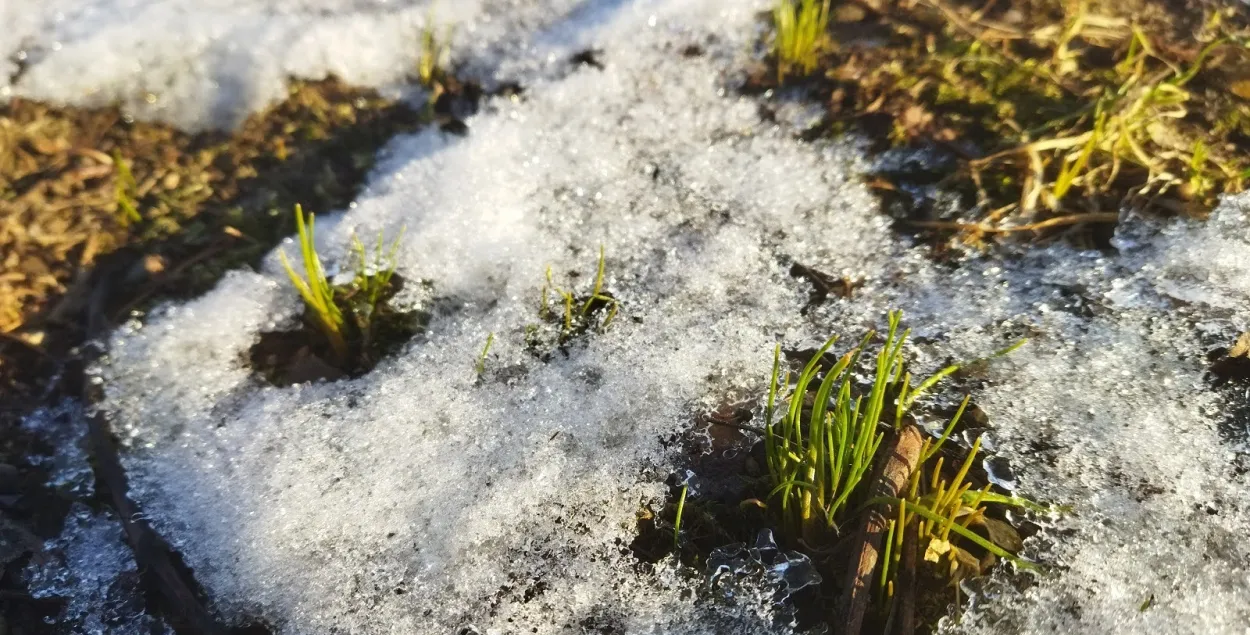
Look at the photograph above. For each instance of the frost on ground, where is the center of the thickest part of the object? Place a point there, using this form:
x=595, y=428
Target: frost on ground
x=91, y=571
x=418, y=499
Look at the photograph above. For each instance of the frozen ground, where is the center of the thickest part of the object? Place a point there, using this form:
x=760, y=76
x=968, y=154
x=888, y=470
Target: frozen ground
x=415, y=499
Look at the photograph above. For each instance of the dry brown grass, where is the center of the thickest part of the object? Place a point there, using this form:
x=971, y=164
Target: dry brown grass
x=64, y=198
x=1057, y=114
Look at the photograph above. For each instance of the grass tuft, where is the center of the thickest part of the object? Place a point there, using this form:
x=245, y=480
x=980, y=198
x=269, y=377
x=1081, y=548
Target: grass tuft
x=315, y=289
x=1054, y=116
x=433, y=58
x=353, y=316
x=823, y=436
x=571, y=315
x=800, y=35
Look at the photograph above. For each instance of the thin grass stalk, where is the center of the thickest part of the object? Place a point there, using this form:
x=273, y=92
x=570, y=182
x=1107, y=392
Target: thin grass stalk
x=595, y=293
x=681, y=507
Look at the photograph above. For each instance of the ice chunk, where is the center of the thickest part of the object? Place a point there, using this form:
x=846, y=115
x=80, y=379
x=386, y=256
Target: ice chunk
x=785, y=571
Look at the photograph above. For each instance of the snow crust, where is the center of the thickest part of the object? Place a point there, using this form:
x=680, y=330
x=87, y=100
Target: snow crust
x=418, y=499
x=209, y=63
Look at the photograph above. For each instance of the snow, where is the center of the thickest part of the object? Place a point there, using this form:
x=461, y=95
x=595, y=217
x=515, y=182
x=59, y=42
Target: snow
x=209, y=63
x=88, y=567
x=417, y=499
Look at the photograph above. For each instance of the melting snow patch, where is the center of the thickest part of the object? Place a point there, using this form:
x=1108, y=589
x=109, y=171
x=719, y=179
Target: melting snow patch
x=210, y=63
x=416, y=499
x=90, y=568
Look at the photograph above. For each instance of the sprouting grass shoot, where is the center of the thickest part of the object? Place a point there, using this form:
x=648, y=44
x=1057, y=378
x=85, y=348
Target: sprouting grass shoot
x=315, y=289
x=351, y=324
x=432, y=59
x=575, y=314
x=374, y=272
x=800, y=35
x=681, y=507
x=480, y=367
x=124, y=192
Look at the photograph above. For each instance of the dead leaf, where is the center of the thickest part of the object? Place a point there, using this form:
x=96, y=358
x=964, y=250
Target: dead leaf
x=1240, y=88
x=936, y=549
x=1003, y=534
x=1242, y=347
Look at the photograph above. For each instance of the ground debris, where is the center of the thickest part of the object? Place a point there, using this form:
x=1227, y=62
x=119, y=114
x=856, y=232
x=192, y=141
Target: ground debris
x=1052, y=115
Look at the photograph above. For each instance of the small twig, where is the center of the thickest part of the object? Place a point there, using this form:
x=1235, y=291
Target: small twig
x=898, y=462
x=1060, y=221
x=904, y=610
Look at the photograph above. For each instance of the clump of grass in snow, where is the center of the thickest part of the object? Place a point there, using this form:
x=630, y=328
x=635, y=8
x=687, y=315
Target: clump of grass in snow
x=433, y=58
x=346, y=315
x=800, y=35
x=941, y=507
x=316, y=290
x=820, y=455
x=372, y=277
x=572, y=314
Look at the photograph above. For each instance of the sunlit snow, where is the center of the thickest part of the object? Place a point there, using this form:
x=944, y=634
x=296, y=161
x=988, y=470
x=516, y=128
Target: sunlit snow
x=416, y=499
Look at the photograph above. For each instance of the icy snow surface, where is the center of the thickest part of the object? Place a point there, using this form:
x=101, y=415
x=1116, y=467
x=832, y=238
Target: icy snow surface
x=88, y=567
x=417, y=500
x=209, y=63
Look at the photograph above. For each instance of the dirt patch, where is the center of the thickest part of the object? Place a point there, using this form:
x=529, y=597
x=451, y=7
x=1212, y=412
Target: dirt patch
x=1032, y=118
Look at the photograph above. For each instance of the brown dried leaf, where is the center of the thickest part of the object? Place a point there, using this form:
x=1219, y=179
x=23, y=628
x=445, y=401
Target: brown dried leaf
x=1242, y=347
x=1240, y=88
x=936, y=549
x=1002, y=534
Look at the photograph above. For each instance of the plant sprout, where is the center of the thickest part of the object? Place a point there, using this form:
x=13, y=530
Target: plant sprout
x=575, y=315
x=800, y=34
x=823, y=444
x=481, y=359
x=681, y=507
x=433, y=57
x=123, y=191
x=316, y=290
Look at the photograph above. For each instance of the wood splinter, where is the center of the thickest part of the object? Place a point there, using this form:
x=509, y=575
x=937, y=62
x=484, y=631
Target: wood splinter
x=898, y=462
